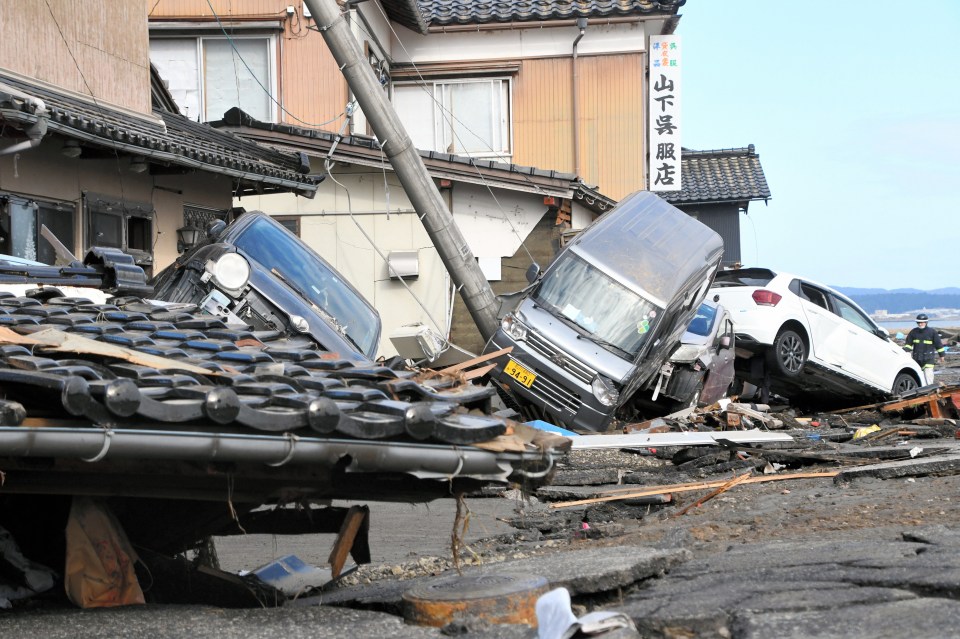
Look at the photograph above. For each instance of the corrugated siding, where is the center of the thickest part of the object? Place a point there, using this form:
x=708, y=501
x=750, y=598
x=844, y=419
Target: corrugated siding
x=611, y=123
x=542, y=113
x=611, y=119
x=223, y=8
x=113, y=63
x=312, y=89
x=725, y=220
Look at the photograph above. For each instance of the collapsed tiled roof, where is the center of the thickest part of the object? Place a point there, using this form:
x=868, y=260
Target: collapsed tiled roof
x=133, y=380
x=723, y=175
x=166, y=138
x=446, y=12
x=365, y=150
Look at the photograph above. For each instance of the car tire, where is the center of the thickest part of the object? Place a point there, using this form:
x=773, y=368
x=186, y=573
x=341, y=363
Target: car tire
x=904, y=383
x=788, y=354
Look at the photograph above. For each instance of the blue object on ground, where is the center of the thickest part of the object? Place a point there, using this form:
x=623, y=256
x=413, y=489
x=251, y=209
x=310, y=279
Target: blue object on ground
x=542, y=425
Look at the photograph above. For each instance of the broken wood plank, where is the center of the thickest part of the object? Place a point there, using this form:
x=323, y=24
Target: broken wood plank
x=479, y=372
x=679, y=488
x=719, y=491
x=60, y=342
x=351, y=539
x=476, y=360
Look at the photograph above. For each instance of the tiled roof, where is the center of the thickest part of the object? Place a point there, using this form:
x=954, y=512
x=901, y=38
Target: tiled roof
x=446, y=12
x=722, y=175
x=166, y=138
x=365, y=150
x=407, y=13
x=134, y=381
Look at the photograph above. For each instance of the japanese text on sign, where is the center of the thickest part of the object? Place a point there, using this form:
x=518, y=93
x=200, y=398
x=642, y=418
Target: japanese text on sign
x=664, y=114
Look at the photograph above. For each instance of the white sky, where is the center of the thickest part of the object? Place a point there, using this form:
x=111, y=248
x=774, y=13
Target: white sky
x=854, y=109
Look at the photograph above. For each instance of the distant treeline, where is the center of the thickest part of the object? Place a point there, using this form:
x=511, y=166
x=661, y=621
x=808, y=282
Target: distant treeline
x=903, y=302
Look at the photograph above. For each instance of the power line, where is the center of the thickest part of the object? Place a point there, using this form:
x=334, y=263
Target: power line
x=236, y=51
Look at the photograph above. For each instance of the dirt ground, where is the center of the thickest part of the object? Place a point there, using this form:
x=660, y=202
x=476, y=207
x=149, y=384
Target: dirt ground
x=789, y=510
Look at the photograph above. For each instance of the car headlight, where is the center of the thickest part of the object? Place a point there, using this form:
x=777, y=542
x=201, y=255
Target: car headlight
x=513, y=327
x=605, y=392
x=231, y=271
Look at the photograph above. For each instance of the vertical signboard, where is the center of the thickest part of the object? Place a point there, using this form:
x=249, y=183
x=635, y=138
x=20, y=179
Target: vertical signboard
x=663, y=112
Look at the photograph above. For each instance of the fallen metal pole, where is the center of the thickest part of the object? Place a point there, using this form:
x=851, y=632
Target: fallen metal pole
x=398, y=147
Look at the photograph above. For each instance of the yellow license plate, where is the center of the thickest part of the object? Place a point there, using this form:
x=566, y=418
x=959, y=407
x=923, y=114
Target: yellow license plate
x=519, y=373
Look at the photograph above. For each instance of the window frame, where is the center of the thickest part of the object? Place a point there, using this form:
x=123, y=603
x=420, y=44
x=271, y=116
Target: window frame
x=442, y=127
x=281, y=219
x=100, y=205
x=199, y=35
x=70, y=208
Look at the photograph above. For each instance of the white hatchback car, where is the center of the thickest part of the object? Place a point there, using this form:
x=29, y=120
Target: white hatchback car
x=807, y=341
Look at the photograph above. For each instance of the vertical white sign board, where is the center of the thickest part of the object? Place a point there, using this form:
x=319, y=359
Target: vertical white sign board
x=663, y=112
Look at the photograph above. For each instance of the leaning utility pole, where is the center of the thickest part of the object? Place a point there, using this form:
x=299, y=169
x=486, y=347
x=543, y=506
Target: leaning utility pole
x=396, y=143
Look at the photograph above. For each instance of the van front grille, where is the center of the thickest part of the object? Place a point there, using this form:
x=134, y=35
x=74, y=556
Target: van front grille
x=555, y=395
x=551, y=353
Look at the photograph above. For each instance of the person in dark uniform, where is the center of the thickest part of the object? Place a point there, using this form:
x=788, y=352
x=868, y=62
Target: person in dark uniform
x=923, y=342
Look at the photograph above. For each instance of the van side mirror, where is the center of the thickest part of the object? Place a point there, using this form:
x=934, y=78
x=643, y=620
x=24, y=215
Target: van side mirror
x=725, y=341
x=533, y=272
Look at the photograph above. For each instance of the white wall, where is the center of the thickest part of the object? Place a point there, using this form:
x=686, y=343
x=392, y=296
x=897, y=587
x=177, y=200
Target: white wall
x=517, y=43
x=326, y=226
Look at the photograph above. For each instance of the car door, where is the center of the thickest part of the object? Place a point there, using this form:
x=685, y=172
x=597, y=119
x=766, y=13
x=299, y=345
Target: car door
x=828, y=334
x=721, y=367
x=870, y=357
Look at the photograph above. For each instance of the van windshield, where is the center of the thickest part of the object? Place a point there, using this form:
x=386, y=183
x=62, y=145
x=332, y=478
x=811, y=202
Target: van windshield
x=276, y=249
x=601, y=306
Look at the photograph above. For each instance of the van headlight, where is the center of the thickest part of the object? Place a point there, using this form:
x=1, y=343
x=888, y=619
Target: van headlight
x=604, y=390
x=513, y=327
x=230, y=271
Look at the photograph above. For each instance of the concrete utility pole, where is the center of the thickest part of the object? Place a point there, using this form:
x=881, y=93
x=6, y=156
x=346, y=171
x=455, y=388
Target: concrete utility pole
x=396, y=143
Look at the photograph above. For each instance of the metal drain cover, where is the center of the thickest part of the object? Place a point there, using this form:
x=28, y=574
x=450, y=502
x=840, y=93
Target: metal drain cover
x=496, y=599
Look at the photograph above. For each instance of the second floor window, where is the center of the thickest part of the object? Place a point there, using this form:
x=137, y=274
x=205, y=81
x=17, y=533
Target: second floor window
x=208, y=75
x=465, y=117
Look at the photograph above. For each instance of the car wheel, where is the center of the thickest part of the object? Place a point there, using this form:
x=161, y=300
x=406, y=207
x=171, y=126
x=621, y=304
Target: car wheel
x=788, y=353
x=904, y=383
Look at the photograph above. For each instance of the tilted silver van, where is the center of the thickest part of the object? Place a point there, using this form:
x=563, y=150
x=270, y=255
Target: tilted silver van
x=591, y=335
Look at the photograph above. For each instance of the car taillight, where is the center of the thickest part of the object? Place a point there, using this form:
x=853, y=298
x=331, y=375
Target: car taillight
x=764, y=297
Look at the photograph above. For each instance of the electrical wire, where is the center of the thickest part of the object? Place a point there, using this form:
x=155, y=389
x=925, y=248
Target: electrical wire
x=328, y=166
x=233, y=46
x=450, y=118
x=116, y=153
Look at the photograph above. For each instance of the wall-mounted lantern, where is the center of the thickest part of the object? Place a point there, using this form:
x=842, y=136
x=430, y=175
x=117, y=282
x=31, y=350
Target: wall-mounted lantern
x=187, y=237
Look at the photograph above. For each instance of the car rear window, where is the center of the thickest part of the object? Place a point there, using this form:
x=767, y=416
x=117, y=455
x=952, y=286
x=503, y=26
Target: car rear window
x=702, y=322
x=744, y=277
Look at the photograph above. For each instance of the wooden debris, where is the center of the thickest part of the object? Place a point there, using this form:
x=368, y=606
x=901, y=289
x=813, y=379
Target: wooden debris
x=657, y=425
x=719, y=491
x=351, y=539
x=628, y=493
x=476, y=360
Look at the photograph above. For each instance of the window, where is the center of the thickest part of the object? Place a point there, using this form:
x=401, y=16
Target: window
x=467, y=117
x=289, y=222
x=853, y=315
x=20, y=223
x=208, y=75
x=127, y=226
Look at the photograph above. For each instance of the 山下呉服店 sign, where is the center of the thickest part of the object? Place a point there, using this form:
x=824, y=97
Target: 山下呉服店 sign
x=664, y=113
